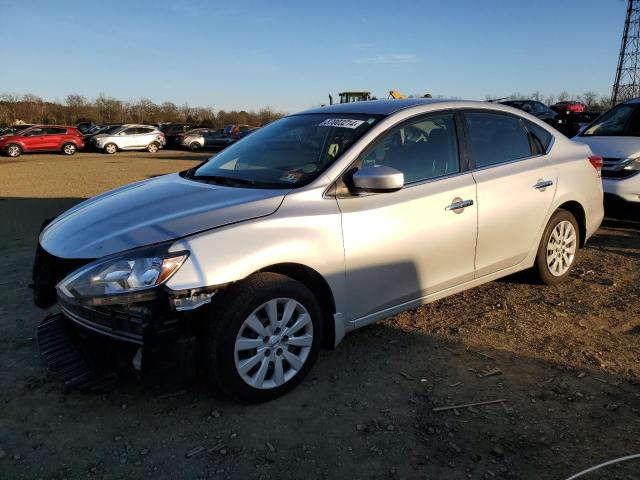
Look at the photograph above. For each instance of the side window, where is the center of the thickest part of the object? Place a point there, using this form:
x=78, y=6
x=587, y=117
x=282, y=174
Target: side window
x=423, y=149
x=55, y=131
x=541, y=137
x=145, y=130
x=495, y=138
x=131, y=131
x=36, y=132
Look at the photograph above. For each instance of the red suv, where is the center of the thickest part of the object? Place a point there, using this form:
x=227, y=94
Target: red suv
x=40, y=138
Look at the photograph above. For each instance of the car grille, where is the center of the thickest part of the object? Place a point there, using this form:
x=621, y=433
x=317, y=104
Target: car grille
x=611, y=168
x=48, y=270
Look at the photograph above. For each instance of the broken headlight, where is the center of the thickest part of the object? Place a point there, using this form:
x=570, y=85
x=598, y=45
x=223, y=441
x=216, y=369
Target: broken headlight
x=122, y=278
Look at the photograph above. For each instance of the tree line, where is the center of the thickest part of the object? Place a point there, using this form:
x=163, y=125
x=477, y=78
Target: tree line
x=77, y=108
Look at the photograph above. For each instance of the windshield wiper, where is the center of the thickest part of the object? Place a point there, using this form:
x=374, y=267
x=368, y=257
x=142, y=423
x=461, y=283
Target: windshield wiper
x=221, y=180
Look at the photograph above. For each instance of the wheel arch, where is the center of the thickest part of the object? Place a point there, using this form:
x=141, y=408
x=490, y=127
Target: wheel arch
x=577, y=210
x=320, y=288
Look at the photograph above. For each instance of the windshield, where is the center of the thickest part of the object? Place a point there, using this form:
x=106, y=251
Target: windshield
x=16, y=129
x=288, y=153
x=623, y=120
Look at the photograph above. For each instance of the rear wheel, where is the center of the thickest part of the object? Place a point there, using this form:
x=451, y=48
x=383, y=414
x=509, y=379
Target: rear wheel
x=69, y=149
x=153, y=147
x=111, y=148
x=195, y=146
x=263, y=337
x=13, y=150
x=558, y=248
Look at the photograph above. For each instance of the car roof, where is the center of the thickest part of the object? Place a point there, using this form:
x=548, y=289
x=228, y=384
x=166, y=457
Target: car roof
x=55, y=126
x=633, y=100
x=374, y=107
x=389, y=107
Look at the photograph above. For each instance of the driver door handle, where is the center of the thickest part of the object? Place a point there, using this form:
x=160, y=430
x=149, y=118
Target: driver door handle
x=542, y=184
x=460, y=204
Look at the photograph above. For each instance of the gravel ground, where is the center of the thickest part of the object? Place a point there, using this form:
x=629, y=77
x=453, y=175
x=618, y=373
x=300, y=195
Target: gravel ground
x=566, y=361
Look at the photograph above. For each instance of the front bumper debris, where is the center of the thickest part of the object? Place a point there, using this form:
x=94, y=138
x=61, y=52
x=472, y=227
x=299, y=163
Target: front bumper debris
x=66, y=362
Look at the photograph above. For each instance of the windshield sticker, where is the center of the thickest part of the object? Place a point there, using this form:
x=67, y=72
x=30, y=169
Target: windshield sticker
x=341, y=122
x=291, y=177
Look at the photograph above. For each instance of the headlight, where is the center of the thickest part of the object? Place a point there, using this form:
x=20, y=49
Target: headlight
x=122, y=278
x=632, y=164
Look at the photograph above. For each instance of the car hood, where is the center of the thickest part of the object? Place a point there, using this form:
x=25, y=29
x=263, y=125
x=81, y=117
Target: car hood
x=612, y=147
x=155, y=210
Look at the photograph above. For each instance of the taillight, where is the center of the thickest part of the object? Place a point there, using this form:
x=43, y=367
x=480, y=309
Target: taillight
x=596, y=162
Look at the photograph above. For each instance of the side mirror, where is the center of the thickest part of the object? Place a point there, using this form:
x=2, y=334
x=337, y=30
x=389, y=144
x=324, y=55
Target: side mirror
x=379, y=179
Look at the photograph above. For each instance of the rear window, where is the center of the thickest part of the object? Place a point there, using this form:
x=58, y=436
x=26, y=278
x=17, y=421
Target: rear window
x=540, y=136
x=496, y=138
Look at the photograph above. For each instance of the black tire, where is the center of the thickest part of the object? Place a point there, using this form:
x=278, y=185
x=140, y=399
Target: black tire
x=229, y=311
x=195, y=146
x=110, y=148
x=153, y=147
x=13, y=150
x=541, y=267
x=69, y=149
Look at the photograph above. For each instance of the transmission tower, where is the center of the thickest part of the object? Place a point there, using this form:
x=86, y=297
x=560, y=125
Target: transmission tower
x=627, y=84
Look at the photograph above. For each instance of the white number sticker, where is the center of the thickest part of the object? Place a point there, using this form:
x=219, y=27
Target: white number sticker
x=341, y=122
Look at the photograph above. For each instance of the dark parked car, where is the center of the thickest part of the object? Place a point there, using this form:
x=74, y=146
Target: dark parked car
x=84, y=127
x=172, y=131
x=39, y=138
x=535, y=108
x=206, y=138
x=13, y=129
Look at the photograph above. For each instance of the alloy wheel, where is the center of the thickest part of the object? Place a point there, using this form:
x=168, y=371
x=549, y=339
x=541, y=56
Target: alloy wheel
x=13, y=151
x=273, y=343
x=111, y=148
x=152, y=148
x=561, y=248
x=69, y=149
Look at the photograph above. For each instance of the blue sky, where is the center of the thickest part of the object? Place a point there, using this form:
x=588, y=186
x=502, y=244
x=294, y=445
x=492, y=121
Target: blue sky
x=290, y=55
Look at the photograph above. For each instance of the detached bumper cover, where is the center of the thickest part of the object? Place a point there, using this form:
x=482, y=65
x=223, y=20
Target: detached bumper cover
x=66, y=361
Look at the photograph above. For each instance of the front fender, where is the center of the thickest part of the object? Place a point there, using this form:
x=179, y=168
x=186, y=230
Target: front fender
x=306, y=230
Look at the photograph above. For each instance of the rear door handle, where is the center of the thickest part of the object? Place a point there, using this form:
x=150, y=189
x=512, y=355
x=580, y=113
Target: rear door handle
x=459, y=204
x=542, y=184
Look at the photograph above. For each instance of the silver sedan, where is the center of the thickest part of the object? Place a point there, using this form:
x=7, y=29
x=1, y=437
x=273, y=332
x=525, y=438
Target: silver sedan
x=316, y=225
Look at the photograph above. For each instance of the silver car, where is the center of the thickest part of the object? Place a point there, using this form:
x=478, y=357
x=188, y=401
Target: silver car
x=316, y=225
x=130, y=137
x=615, y=136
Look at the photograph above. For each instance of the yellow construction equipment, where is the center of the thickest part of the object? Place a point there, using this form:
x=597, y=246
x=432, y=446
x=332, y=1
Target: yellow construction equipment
x=362, y=96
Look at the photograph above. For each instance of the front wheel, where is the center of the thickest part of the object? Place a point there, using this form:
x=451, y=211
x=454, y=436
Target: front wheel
x=13, y=150
x=195, y=146
x=69, y=149
x=153, y=147
x=558, y=248
x=111, y=148
x=263, y=336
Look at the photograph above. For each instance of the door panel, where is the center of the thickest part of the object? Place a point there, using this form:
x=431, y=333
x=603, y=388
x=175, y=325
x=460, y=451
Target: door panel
x=511, y=211
x=404, y=245
x=35, y=140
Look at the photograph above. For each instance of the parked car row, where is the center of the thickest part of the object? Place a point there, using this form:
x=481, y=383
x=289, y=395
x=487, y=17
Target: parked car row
x=568, y=117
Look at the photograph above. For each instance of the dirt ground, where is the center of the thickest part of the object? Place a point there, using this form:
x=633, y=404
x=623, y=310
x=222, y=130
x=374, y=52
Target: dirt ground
x=566, y=361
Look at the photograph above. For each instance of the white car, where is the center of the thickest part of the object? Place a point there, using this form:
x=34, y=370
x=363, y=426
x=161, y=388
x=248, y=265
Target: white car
x=130, y=137
x=616, y=137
